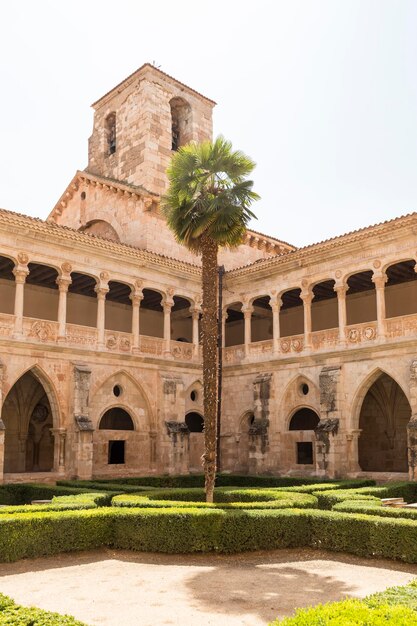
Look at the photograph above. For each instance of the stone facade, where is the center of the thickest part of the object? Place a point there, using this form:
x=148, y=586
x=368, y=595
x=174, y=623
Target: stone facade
x=100, y=371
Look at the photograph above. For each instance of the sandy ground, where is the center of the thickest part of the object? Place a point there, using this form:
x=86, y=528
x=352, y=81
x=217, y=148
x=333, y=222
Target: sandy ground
x=137, y=589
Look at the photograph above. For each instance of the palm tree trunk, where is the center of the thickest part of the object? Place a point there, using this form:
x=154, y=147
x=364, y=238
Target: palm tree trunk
x=210, y=361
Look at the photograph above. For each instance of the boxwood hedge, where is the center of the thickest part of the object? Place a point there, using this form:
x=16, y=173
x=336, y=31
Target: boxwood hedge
x=182, y=530
x=374, y=508
x=24, y=493
x=225, y=497
x=14, y=614
x=351, y=613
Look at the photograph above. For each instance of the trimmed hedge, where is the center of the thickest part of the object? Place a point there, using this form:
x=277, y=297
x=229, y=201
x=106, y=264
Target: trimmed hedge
x=374, y=508
x=342, y=484
x=405, y=595
x=101, y=486
x=197, y=480
x=406, y=490
x=24, y=493
x=12, y=613
x=351, y=613
x=225, y=498
x=62, y=503
x=373, y=610
x=186, y=530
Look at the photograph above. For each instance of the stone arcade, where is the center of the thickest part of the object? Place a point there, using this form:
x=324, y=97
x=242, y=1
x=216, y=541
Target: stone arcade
x=99, y=325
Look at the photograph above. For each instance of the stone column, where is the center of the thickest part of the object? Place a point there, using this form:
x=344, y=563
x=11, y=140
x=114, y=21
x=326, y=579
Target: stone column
x=307, y=298
x=379, y=281
x=352, y=438
x=224, y=320
x=341, y=311
x=136, y=297
x=84, y=426
x=20, y=273
x=101, y=291
x=2, y=427
x=59, y=435
x=195, y=314
x=167, y=306
x=276, y=332
x=247, y=314
x=63, y=283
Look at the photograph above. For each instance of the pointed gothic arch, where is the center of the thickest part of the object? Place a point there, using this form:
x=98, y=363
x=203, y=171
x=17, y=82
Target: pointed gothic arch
x=384, y=412
x=30, y=412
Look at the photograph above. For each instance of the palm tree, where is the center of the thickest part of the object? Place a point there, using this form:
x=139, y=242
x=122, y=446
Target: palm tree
x=207, y=206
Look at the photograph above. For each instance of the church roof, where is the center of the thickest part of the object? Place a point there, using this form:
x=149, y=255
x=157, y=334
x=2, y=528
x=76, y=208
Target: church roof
x=352, y=237
x=141, y=70
x=50, y=230
x=151, y=198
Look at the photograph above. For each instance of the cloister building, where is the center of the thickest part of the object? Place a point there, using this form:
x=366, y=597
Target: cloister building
x=101, y=371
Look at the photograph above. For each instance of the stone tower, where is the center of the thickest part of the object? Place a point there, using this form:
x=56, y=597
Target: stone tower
x=140, y=122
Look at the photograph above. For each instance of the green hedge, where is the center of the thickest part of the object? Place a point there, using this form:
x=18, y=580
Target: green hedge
x=16, y=615
x=62, y=503
x=342, y=484
x=24, y=493
x=373, y=610
x=225, y=497
x=197, y=480
x=406, y=490
x=103, y=486
x=351, y=613
x=374, y=508
x=185, y=530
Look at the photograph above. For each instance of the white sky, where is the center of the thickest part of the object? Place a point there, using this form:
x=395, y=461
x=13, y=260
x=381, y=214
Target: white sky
x=322, y=94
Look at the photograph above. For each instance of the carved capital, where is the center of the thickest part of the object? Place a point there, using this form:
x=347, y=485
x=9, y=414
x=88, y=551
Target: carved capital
x=101, y=291
x=22, y=258
x=66, y=268
x=379, y=280
x=63, y=283
x=341, y=289
x=20, y=273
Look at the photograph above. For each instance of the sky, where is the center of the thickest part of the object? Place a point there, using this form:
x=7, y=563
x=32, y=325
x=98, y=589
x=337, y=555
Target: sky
x=322, y=94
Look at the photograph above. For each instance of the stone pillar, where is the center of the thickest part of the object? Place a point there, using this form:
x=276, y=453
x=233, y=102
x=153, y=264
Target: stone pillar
x=412, y=424
x=307, y=298
x=136, y=297
x=59, y=435
x=175, y=443
x=167, y=306
x=379, y=281
x=352, y=439
x=341, y=312
x=20, y=273
x=2, y=427
x=330, y=445
x=195, y=314
x=247, y=314
x=84, y=426
x=276, y=332
x=63, y=283
x=101, y=291
x=259, y=429
x=224, y=320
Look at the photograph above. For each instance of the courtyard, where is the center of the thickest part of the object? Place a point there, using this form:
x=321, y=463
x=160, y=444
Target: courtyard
x=109, y=587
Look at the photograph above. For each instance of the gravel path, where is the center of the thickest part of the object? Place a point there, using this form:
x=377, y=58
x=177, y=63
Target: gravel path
x=137, y=589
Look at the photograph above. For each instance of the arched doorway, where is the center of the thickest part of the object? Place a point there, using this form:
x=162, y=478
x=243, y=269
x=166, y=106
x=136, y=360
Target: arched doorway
x=116, y=419
x=383, y=420
x=304, y=421
x=27, y=416
x=195, y=423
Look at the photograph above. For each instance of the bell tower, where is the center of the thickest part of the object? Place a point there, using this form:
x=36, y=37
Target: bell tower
x=140, y=122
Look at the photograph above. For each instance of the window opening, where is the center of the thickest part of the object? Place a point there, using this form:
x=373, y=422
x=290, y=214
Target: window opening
x=116, y=452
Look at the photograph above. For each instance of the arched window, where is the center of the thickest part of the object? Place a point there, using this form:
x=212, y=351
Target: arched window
x=116, y=419
x=195, y=422
x=180, y=122
x=111, y=133
x=304, y=419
